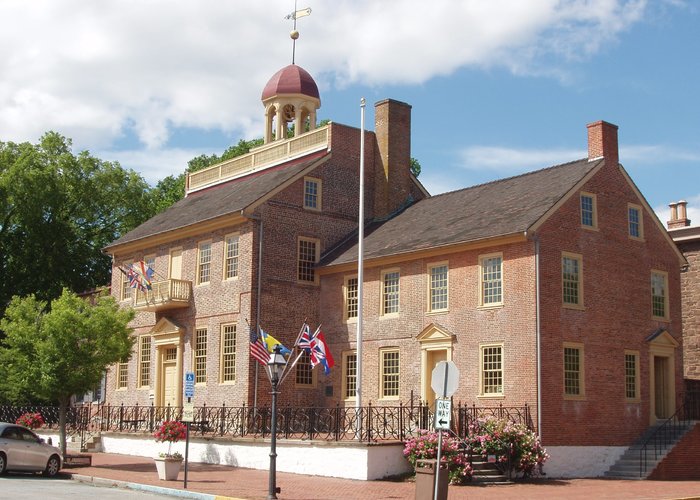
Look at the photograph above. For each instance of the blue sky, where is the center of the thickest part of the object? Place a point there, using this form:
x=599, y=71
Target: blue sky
x=497, y=87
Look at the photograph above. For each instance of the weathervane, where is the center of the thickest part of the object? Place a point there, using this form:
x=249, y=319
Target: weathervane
x=294, y=33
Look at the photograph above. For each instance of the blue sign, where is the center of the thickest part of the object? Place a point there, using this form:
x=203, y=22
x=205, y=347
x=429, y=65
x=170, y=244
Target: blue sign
x=189, y=384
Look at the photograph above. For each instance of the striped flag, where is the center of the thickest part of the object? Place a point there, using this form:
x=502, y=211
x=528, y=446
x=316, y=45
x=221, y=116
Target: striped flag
x=257, y=348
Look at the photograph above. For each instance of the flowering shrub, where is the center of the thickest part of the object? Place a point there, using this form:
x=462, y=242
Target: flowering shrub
x=31, y=420
x=171, y=431
x=425, y=446
x=517, y=448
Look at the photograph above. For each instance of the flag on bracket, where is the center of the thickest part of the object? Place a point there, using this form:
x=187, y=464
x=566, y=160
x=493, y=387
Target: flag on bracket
x=140, y=276
x=317, y=348
x=257, y=348
x=270, y=342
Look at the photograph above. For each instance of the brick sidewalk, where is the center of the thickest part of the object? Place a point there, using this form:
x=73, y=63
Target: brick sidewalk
x=249, y=484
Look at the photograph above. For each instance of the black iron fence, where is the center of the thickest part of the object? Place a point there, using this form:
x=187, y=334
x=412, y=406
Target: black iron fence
x=367, y=424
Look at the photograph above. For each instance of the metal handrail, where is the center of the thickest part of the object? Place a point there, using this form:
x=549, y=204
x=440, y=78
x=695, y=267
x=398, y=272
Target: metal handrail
x=669, y=431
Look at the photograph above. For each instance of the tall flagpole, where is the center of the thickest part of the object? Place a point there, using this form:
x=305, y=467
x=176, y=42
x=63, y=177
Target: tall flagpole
x=360, y=272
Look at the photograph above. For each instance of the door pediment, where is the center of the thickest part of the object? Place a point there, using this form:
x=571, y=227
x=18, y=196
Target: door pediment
x=166, y=332
x=661, y=338
x=435, y=334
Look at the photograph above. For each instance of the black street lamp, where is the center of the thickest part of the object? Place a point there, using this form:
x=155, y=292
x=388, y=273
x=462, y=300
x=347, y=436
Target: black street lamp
x=275, y=369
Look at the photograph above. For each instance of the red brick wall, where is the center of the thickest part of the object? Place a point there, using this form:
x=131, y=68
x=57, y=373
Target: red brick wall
x=681, y=463
x=617, y=315
x=513, y=324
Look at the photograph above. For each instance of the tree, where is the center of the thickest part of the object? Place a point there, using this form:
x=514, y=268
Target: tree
x=55, y=354
x=57, y=211
x=415, y=167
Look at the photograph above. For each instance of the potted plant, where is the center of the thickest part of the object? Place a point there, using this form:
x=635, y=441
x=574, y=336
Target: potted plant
x=30, y=420
x=168, y=464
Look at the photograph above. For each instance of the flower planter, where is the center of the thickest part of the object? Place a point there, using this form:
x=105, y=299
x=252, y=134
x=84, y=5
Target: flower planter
x=168, y=468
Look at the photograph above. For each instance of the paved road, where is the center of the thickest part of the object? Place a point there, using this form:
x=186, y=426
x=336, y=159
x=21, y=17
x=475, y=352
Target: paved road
x=25, y=486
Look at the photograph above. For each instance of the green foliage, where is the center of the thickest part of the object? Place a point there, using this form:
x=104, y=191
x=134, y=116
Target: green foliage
x=415, y=167
x=57, y=211
x=517, y=449
x=425, y=446
x=55, y=354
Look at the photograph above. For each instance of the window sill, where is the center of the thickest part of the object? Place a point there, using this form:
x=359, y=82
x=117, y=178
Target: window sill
x=490, y=306
x=389, y=316
x=227, y=382
x=435, y=312
x=636, y=238
x=659, y=318
x=573, y=307
x=633, y=401
x=590, y=228
x=491, y=396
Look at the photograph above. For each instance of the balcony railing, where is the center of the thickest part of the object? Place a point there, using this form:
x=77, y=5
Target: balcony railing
x=259, y=158
x=168, y=294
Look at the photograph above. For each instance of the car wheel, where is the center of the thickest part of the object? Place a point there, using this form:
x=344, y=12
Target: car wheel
x=52, y=466
x=3, y=463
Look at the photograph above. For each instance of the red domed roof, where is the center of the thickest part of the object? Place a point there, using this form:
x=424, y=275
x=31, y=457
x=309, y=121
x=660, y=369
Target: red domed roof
x=291, y=80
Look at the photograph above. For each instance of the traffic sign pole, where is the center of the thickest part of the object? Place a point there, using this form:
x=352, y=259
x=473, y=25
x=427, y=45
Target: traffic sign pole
x=439, y=450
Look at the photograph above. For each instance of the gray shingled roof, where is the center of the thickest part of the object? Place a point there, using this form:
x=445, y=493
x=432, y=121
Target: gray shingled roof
x=225, y=199
x=498, y=208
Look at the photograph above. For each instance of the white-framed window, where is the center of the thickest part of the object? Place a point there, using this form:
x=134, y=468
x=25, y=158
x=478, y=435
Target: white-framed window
x=572, y=280
x=491, y=279
x=589, y=211
x=635, y=222
x=204, y=263
x=126, y=287
x=659, y=295
x=491, y=369
x=122, y=375
x=228, y=353
x=145, y=361
x=312, y=193
x=307, y=257
x=632, y=386
x=349, y=374
x=574, y=386
x=351, y=298
x=389, y=370
x=390, y=292
x=304, y=376
x=231, y=256
x=200, y=356
x=438, y=299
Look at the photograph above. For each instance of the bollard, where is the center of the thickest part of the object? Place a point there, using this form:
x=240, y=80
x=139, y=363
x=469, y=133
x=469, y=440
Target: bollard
x=425, y=480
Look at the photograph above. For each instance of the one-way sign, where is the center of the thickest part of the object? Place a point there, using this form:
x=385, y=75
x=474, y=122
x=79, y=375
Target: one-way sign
x=443, y=414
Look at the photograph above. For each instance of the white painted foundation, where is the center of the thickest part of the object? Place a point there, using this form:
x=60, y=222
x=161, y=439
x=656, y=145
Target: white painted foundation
x=580, y=461
x=343, y=460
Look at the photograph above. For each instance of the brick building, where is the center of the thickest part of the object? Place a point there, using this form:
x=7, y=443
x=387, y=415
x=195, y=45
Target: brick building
x=558, y=288
x=687, y=238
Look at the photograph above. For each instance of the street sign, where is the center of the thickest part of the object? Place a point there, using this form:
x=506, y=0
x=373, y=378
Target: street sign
x=443, y=414
x=189, y=384
x=188, y=412
x=445, y=379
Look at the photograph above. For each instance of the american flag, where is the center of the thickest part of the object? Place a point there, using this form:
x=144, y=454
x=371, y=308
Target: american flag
x=257, y=348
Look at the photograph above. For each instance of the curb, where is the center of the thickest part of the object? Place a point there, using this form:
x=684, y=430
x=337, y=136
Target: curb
x=114, y=483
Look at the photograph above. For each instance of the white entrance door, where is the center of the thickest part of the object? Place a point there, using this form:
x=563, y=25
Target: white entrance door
x=434, y=357
x=169, y=384
x=176, y=264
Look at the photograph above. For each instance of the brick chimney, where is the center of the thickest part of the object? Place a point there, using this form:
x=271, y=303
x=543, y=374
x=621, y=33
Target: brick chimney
x=392, y=177
x=602, y=142
x=679, y=215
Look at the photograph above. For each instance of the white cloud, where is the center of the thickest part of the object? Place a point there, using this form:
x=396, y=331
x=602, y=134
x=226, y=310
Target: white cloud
x=95, y=71
x=510, y=161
